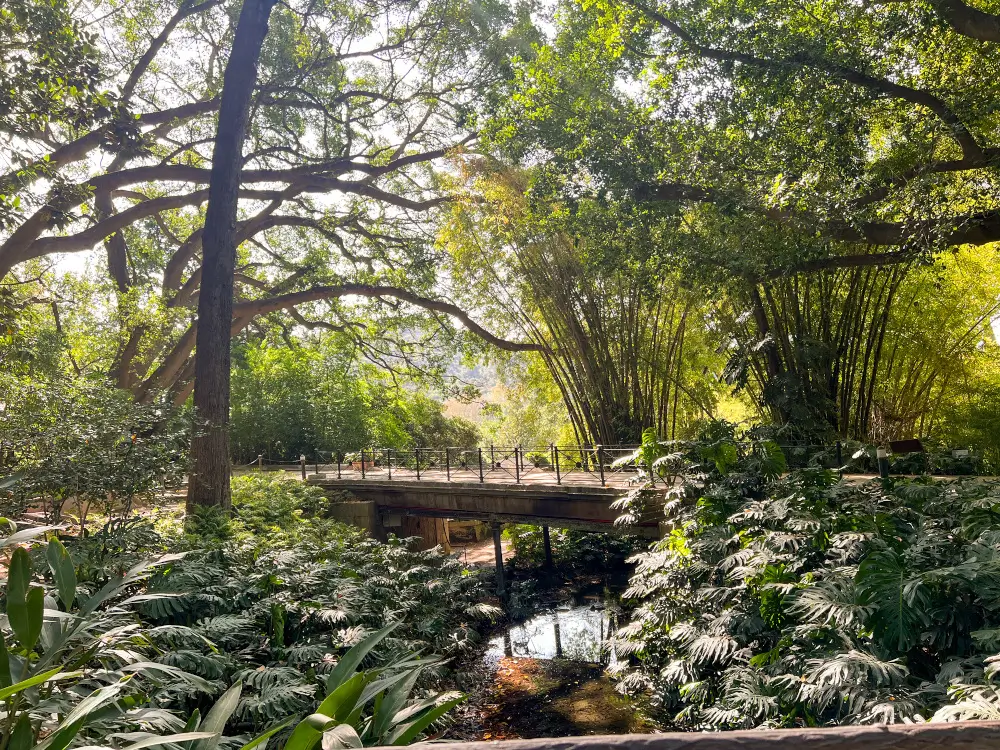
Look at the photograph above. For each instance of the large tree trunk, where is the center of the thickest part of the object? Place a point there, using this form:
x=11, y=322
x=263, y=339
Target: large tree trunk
x=209, y=481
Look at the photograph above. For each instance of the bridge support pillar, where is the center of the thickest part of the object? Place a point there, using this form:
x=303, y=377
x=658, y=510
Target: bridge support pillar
x=546, y=539
x=498, y=551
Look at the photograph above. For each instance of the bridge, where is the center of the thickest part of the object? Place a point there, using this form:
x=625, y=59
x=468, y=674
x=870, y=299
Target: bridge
x=413, y=493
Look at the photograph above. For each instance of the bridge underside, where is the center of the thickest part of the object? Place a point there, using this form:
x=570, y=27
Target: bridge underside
x=570, y=506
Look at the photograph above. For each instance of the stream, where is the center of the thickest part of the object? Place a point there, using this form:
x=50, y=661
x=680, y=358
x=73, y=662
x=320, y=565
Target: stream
x=567, y=631
x=545, y=676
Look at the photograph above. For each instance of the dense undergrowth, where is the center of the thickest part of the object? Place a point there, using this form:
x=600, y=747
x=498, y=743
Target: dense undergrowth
x=141, y=629
x=785, y=599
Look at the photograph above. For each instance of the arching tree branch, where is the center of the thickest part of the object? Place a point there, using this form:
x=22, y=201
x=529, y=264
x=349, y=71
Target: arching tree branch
x=970, y=146
x=243, y=312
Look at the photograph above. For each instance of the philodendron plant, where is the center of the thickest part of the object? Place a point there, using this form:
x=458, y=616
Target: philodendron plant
x=71, y=665
x=372, y=707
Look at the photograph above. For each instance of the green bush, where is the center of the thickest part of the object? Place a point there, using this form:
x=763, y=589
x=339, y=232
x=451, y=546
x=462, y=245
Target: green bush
x=803, y=600
x=80, y=442
x=266, y=503
x=276, y=609
x=242, y=630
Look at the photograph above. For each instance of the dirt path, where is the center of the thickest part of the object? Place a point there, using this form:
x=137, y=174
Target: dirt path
x=480, y=553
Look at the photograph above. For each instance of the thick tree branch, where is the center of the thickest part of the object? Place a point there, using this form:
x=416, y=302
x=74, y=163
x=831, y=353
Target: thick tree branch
x=27, y=243
x=79, y=149
x=280, y=302
x=869, y=260
x=968, y=143
x=89, y=237
x=186, y=10
x=969, y=21
x=967, y=229
x=989, y=159
x=244, y=312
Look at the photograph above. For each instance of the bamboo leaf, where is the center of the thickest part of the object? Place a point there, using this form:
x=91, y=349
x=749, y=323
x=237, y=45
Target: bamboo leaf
x=37, y=679
x=349, y=663
x=63, y=571
x=217, y=716
x=409, y=732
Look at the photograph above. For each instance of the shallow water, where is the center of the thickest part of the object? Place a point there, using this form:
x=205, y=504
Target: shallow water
x=568, y=631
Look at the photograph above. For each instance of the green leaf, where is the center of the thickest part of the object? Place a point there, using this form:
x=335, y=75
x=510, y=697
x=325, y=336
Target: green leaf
x=18, y=575
x=193, y=722
x=305, y=735
x=80, y=715
x=38, y=679
x=6, y=680
x=35, y=607
x=341, y=702
x=26, y=535
x=393, y=702
x=218, y=715
x=899, y=598
x=265, y=736
x=23, y=736
x=350, y=661
x=340, y=737
x=63, y=571
x=409, y=732
x=152, y=666
x=24, y=610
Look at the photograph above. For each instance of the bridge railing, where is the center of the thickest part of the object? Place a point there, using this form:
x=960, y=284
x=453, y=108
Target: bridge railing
x=492, y=463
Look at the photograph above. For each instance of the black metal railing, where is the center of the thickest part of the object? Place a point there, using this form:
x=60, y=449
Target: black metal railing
x=491, y=463
x=519, y=464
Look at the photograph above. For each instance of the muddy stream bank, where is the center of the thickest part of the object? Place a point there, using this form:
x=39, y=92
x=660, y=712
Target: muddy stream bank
x=542, y=671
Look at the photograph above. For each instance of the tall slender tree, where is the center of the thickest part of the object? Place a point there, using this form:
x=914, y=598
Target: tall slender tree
x=210, y=472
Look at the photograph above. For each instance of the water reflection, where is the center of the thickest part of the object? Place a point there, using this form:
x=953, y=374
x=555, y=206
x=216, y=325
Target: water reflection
x=575, y=632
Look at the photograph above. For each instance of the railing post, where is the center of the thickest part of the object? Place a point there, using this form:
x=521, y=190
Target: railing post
x=493, y=458
x=416, y=457
x=260, y=462
x=362, y=463
x=339, y=458
x=555, y=452
x=388, y=461
x=498, y=551
x=480, y=451
x=447, y=464
x=317, y=461
x=517, y=464
x=552, y=455
x=883, y=462
x=600, y=464
x=302, y=464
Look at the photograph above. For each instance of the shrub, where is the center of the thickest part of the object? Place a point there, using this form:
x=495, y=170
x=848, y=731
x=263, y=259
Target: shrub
x=803, y=600
x=276, y=609
x=265, y=503
x=85, y=664
x=83, y=442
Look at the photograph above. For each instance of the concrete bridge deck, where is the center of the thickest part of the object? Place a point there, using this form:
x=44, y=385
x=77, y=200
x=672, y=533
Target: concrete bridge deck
x=569, y=505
